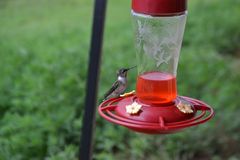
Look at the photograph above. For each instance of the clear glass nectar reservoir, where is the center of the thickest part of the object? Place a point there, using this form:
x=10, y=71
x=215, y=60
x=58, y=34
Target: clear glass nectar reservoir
x=158, y=42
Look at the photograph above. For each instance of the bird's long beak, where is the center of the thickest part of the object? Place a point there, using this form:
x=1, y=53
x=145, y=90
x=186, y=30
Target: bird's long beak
x=131, y=68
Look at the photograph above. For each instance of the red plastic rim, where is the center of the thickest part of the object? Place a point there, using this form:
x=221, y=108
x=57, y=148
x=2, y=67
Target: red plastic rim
x=202, y=113
x=159, y=7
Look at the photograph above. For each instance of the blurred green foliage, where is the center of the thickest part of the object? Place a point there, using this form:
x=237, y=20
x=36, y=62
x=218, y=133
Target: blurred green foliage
x=44, y=53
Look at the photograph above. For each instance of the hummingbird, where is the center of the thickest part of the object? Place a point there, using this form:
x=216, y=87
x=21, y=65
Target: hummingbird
x=120, y=85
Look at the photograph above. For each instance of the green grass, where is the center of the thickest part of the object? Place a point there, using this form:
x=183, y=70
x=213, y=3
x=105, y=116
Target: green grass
x=43, y=62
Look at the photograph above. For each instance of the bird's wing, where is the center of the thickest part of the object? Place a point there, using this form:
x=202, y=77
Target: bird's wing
x=114, y=87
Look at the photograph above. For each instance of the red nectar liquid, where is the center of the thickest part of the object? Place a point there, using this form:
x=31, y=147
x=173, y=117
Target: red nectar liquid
x=156, y=87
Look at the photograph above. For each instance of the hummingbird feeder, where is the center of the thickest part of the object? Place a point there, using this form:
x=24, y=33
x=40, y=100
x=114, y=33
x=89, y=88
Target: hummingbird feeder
x=156, y=108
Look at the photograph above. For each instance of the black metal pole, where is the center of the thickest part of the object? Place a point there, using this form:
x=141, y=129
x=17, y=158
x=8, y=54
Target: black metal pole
x=85, y=149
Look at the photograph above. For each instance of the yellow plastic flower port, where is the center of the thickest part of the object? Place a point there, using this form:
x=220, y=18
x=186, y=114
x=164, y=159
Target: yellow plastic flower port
x=133, y=108
x=184, y=107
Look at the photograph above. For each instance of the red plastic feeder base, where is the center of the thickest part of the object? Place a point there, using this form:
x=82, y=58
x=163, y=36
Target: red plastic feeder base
x=155, y=119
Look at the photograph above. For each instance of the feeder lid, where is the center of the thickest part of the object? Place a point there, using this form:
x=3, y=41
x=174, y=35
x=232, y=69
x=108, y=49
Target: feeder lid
x=159, y=7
